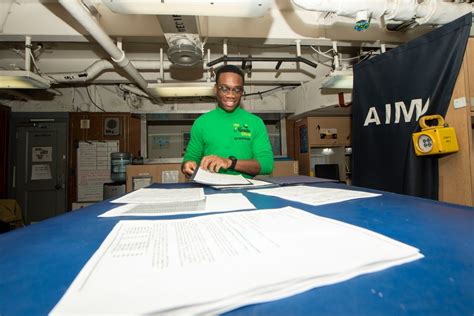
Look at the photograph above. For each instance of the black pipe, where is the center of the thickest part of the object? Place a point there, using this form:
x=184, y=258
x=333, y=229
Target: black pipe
x=264, y=59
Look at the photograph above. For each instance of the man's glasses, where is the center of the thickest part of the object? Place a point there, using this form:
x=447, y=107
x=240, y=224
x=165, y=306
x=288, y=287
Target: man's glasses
x=226, y=89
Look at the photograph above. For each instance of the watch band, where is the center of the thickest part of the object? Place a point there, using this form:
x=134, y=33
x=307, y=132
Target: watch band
x=234, y=162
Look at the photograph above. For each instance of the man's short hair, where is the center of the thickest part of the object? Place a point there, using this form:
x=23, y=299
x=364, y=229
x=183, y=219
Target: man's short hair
x=229, y=68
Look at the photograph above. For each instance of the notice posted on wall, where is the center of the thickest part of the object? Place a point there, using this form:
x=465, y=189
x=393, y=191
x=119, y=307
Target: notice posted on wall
x=42, y=154
x=41, y=172
x=93, y=168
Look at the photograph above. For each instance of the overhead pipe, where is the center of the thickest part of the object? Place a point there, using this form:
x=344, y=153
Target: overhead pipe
x=100, y=66
x=427, y=12
x=133, y=90
x=439, y=12
x=209, y=74
x=226, y=58
x=336, y=55
x=162, y=73
x=75, y=8
x=27, y=53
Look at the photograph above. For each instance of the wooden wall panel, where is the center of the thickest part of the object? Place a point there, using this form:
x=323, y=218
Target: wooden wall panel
x=129, y=138
x=290, y=139
x=5, y=114
x=456, y=174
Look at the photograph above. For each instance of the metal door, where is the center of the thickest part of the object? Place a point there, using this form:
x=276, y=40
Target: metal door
x=40, y=169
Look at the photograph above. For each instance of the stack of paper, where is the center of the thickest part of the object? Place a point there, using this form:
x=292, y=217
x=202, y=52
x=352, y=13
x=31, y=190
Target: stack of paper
x=212, y=178
x=215, y=263
x=254, y=183
x=168, y=201
x=156, y=196
x=157, y=202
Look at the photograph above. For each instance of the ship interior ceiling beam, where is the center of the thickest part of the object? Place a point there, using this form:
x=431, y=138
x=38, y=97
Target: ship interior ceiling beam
x=247, y=59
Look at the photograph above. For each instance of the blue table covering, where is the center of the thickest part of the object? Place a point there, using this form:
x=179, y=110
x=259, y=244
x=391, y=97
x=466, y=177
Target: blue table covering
x=39, y=262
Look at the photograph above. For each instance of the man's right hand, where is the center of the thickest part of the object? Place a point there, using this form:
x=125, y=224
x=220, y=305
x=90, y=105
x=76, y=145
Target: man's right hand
x=189, y=167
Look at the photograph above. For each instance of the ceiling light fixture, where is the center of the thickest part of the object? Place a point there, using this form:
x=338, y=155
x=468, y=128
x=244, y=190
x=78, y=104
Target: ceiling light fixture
x=338, y=81
x=22, y=79
x=170, y=90
x=231, y=8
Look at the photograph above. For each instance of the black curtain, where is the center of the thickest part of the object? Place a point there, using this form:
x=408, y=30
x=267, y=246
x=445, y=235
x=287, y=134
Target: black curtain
x=391, y=92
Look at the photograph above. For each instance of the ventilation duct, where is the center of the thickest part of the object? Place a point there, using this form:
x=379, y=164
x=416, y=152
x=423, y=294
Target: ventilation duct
x=182, y=35
x=184, y=50
x=427, y=12
x=231, y=8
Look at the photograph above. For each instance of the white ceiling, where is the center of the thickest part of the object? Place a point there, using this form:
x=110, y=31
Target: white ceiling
x=62, y=45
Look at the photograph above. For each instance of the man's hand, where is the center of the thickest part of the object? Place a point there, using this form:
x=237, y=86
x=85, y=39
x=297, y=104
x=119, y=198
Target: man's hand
x=214, y=163
x=189, y=167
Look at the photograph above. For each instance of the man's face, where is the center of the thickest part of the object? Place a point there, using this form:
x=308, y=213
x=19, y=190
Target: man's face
x=228, y=91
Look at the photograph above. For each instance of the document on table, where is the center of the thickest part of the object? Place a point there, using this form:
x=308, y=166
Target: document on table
x=156, y=196
x=314, y=195
x=254, y=183
x=213, y=178
x=212, y=204
x=215, y=263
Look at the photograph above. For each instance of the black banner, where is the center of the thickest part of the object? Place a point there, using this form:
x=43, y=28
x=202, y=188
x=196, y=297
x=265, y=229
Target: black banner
x=391, y=92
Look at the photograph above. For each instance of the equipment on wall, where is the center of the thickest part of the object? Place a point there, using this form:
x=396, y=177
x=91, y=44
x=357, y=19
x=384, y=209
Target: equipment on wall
x=436, y=139
x=112, y=126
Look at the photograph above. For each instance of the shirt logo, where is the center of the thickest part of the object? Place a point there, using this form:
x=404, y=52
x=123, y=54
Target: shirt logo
x=242, y=132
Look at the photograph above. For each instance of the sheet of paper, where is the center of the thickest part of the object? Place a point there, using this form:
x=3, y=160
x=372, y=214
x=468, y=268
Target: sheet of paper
x=213, y=203
x=254, y=184
x=314, y=195
x=156, y=196
x=212, y=178
x=93, y=168
x=90, y=184
x=218, y=262
x=40, y=172
x=42, y=154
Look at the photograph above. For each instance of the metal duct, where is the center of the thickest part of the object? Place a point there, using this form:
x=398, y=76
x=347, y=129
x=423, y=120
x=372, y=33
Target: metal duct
x=75, y=8
x=428, y=12
x=182, y=35
x=100, y=66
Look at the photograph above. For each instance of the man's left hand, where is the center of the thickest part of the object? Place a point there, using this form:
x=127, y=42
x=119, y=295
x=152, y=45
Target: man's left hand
x=214, y=163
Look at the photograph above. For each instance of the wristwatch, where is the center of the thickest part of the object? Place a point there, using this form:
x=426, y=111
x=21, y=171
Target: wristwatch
x=234, y=162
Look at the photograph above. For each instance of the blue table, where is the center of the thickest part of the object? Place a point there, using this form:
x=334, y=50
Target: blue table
x=39, y=262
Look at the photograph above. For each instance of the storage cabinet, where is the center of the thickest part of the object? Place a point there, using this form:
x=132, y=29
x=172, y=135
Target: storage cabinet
x=322, y=141
x=456, y=171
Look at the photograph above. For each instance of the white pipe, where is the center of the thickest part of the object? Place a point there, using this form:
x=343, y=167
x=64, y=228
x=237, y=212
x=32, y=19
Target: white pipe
x=427, y=12
x=134, y=90
x=344, y=7
x=102, y=65
x=336, y=55
x=119, y=43
x=224, y=48
x=298, y=48
x=75, y=8
x=383, y=49
x=401, y=10
x=208, y=61
x=27, y=53
x=440, y=12
x=162, y=73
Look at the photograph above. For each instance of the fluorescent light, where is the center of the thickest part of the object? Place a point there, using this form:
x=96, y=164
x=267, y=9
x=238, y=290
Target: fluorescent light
x=338, y=80
x=231, y=8
x=21, y=79
x=167, y=90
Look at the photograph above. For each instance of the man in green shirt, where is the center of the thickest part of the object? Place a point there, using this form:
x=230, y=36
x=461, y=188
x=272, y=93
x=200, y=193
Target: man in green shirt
x=229, y=139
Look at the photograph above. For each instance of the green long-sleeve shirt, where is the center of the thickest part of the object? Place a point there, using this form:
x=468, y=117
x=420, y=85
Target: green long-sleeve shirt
x=239, y=134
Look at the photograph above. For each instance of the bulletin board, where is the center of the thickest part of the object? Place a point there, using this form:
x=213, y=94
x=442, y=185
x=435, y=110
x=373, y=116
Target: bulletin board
x=93, y=168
